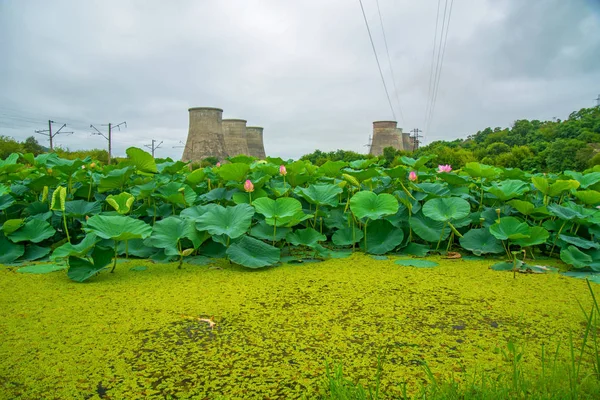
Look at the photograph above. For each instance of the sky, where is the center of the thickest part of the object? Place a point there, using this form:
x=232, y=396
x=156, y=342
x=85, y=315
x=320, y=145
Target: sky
x=303, y=70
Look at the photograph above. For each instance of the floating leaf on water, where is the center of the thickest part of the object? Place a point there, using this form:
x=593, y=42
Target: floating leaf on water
x=42, y=268
x=417, y=263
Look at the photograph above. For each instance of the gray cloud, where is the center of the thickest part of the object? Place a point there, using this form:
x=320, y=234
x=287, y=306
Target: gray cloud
x=303, y=70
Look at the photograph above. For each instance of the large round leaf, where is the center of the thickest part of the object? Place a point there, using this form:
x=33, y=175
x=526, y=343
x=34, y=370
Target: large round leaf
x=253, y=253
x=305, y=237
x=230, y=221
x=382, y=237
x=509, y=228
x=537, y=235
x=143, y=161
x=118, y=227
x=121, y=202
x=167, y=233
x=265, y=232
x=233, y=172
x=34, y=231
x=428, y=229
x=79, y=208
x=80, y=250
x=481, y=241
x=446, y=209
x=9, y=252
x=81, y=269
x=276, y=211
x=575, y=257
x=369, y=205
x=347, y=236
x=508, y=189
x=321, y=194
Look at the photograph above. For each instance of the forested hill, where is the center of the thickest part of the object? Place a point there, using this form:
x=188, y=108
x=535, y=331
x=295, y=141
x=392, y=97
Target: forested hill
x=543, y=146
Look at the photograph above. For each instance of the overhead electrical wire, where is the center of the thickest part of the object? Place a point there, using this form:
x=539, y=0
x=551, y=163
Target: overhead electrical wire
x=429, y=97
x=377, y=59
x=390, y=63
x=440, y=63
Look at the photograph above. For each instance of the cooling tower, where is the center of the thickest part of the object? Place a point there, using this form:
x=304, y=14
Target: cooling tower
x=205, y=136
x=407, y=141
x=256, y=147
x=234, y=134
x=385, y=134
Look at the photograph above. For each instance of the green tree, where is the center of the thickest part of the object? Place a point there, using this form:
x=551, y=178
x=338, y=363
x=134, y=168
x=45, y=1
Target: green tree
x=8, y=145
x=31, y=145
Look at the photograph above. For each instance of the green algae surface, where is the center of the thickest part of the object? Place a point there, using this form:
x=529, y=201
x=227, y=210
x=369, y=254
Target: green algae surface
x=146, y=333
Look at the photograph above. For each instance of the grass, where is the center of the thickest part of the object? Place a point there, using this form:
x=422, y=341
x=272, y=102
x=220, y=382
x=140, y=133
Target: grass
x=138, y=334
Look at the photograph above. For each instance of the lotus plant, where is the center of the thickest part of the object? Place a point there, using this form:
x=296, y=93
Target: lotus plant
x=249, y=188
x=412, y=176
x=444, y=168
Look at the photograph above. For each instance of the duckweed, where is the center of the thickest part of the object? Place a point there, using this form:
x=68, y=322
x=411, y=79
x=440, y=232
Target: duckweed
x=145, y=333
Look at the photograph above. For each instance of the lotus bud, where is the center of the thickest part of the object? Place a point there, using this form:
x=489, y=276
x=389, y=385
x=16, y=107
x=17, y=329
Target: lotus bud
x=412, y=176
x=93, y=165
x=248, y=186
x=444, y=168
x=50, y=171
x=218, y=164
x=282, y=170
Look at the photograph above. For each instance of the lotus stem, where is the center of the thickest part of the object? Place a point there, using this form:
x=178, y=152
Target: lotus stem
x=366, y=222
x=315, y=220
x=450, y=240
x=65, y=224
x=406, y=190
x=115, y=262
x=441, y=236
x=556, y=238
x=481, y=199
x=90, y=191
x=275, y=227
x=250, y=197
x=127, y=250
x=457, y=233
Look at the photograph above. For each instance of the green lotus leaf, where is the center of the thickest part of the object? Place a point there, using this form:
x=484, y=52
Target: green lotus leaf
x=33, y=252
x=167, y=233
x=399, y=172
x=305, y=237
x=136, y=248
x=265, y=232
x=428, y=229
x=80, y=249
x=115, y=179
x=505, y=266
x=373, y=206
x=320, y=194
x=416, y=249
x=34, y=230
x=537, y=235
x=81, y=208
x=9, y=252
x=12, y=225
x=331, y=168
x=233, y=172
x=362, y=175
x=37, y=185
x=347, y=236
x=524, y=207
x=481, y=241
x=509, y=228
x=508, y=189
x=42, y=268
x=275, y=210
x=446, y=209
x=253, y=253
x=579, y=242
x=80, y=270
x=575, y=257
x=178, y=193
x=453, y=179
x=6, y=201
x=417, y=263
x=143, y=161
x=565, y=213
x=294, y=220
x=560, y=186
x=59, y=197
x=195, y=177
x=244, y=198
x=435, y=189
x=477, y=170
x=195, y=212
x=419, y=162
x=230, y=221
x=586, y=180
x=121, y=202
x=382, y=237
x=118, y=227
x=589, y=197
x=144, y=190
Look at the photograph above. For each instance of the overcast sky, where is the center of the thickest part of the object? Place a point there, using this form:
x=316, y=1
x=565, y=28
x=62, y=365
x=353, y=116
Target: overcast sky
x=304, y=69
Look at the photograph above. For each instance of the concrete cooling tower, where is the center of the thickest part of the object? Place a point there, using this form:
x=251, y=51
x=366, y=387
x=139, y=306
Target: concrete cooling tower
x=386, y=134
x=236, y=139
x=256, y=147
x=205, y=135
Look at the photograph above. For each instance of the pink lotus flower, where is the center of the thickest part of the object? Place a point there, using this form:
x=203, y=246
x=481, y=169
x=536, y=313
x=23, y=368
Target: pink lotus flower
x=218, y=164
x=412, y=176
x=282, y=170
x=248, y=186
x=444, y=168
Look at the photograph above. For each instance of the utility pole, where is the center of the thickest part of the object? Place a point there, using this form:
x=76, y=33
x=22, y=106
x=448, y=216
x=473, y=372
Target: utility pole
x=597, y=100
x=369, y=144
x=153, y=147
x=109, y=137
x=191, y=148
x=48, y=132
x=416, y=137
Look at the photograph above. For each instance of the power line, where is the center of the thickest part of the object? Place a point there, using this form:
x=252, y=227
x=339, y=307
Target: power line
x=152, y=147
x=441, y=64
x=390, y=62
x=429, y=96
x=50, y=135
x=377, y=59
x=109, y=137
